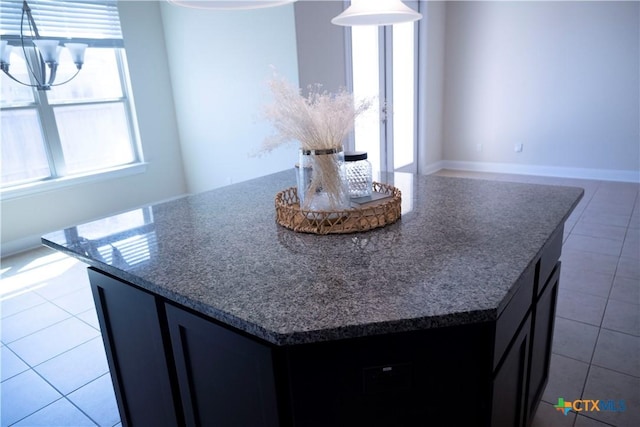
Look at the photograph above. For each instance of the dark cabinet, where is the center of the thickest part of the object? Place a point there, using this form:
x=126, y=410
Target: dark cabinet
x=170, y=367
x=225, y=379
x=540, y=354
x=174, y=366
x=138, y=359
x=509, y=384
x=522, y=350
x=418, y=378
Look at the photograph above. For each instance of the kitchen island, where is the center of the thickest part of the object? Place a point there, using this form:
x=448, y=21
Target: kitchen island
x=212, y=314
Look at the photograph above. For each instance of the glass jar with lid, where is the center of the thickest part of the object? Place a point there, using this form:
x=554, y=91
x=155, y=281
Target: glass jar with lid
x=358, y=170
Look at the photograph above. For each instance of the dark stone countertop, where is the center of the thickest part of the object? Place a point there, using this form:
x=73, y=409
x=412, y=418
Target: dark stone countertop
x=453, y=258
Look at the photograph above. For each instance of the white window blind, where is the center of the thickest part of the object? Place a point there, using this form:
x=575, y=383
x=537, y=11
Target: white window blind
x=95, y=22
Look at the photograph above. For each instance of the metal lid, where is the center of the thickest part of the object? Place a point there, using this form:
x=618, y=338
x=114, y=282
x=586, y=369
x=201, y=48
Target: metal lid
x=320, y=151
x=353, y=156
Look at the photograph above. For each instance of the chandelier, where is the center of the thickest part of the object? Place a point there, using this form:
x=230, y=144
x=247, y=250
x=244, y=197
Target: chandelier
x=44, y=55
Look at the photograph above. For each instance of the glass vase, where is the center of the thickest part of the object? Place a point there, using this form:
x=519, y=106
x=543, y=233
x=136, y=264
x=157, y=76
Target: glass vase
x=322, y=184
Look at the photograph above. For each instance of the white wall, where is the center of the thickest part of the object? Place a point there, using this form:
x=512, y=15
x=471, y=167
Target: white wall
x=321, y=45
x=25, y=219
x=220, y=62
x=562, y=78
x=431, y=33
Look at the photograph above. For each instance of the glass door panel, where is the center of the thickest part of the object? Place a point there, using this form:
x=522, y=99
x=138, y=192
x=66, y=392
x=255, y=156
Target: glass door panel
x=383, y=67
x=403, y=97
x=366, y=85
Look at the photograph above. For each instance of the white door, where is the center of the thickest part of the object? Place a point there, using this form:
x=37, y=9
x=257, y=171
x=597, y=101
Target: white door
x=384, y=67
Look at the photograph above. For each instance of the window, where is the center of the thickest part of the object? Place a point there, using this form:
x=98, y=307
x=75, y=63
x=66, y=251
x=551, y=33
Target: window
x=80, y=128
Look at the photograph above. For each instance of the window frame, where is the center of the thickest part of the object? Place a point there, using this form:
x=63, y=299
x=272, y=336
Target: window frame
x=59, y=178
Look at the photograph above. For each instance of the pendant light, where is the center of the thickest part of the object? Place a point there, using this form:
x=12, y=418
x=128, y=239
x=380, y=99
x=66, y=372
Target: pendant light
x=376, y=12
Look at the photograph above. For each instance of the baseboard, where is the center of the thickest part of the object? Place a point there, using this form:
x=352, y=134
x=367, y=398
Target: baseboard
x=432, y=168
x=554, y=171
x=20, y=245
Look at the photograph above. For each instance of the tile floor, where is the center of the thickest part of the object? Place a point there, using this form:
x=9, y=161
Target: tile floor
x=54, y=372
x=53, y=366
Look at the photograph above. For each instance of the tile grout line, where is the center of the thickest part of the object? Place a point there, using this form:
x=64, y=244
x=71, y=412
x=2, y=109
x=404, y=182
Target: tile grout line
x=62, y=395
x=8, y=343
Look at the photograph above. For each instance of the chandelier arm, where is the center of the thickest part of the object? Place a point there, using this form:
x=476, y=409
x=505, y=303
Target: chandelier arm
x=66, y=81
x=18, y=81
x=40, y=79
x=26, y=9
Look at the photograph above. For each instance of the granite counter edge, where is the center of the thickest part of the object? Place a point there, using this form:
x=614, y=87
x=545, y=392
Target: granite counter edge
x=284, y=338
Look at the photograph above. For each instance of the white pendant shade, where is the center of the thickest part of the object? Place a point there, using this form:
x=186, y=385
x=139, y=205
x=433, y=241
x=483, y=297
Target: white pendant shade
x=77, y=52
x=229, y=4
x=48, y=49
x=376, y=12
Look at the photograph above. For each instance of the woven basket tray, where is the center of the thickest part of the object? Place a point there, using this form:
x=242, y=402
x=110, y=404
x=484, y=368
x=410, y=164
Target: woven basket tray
x=381, y=213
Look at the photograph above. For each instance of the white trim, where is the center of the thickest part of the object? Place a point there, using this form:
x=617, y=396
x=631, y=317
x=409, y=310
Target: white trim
x=37, y=187
x=555, y=171
x=20, y=245
x=432, y=168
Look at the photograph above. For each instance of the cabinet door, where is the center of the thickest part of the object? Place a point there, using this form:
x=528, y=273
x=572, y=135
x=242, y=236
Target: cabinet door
x=544, y=315
x=136, y=353
x=509, y=383
x=225, y=379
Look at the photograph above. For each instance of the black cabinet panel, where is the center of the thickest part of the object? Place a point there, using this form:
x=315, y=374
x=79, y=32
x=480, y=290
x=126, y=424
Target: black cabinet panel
x=131, y=330
x=513, y=315
x=509, y=384
x=411, y=379
x=544, y=316
x=225, y=378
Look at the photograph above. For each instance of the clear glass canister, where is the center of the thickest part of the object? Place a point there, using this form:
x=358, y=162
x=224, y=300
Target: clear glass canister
x=358, y=171
x=321, y=180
